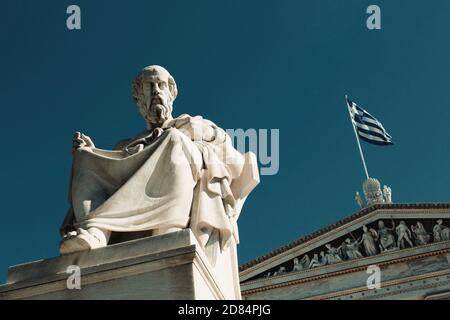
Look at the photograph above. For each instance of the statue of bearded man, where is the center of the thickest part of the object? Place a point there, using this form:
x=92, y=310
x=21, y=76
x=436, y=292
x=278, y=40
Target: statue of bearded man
x=178, y=173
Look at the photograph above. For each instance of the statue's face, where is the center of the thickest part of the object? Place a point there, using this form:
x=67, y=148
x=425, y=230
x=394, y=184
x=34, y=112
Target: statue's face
x=158, y=98
x=155, y=91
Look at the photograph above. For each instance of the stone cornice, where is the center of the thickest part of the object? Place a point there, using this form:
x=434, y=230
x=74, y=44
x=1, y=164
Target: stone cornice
x=403, y=286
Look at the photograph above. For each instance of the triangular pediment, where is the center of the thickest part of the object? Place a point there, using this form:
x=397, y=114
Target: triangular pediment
x=346, y=244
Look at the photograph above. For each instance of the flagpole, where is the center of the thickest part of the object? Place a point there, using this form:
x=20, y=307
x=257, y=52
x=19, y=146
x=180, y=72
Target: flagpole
x=357, y=140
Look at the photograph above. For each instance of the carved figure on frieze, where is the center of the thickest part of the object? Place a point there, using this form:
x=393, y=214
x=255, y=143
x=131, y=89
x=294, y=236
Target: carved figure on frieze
x=369, y=240
x=350, y=249
x=297, y=266
x=281, y=270
x=386, y=236
x=420, y=234
x=332, y=254
x=323, y=258
x=318, y=262
x=440, y=232
x=301, y=264
x=403, y=234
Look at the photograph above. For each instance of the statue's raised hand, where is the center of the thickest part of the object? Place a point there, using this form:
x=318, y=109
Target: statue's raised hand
x=81, y=140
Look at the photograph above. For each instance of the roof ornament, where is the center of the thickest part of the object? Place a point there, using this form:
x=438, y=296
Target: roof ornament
x=373, y=194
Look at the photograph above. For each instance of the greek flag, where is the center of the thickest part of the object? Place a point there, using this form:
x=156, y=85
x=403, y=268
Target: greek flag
x=369, y=129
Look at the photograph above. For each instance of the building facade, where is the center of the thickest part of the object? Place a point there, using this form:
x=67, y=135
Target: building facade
x=385, y=251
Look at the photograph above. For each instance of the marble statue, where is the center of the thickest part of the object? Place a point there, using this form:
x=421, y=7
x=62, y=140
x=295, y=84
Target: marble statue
x=372, y=191
x=420, y=234
x=323, y=258
x=318, y=262
x=368, y=240
x=178, y=173
x=359, y=200
x=332, y=254
x=350, y=249
x=281, y=270
x=302, y=263
x=387, y=192
x=315, y=262
x=403, y=234
x=297, y=266
x=440, y=232
x=386, y=237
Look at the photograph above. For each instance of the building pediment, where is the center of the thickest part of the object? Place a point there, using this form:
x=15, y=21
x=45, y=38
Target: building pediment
x=374, y=235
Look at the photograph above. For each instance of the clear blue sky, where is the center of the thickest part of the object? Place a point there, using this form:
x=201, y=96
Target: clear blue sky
x=242, y=64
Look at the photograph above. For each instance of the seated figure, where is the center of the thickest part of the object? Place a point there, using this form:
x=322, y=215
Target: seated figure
x=178, y=173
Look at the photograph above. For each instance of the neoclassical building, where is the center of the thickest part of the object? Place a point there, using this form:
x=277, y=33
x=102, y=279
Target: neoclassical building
x=384, y=251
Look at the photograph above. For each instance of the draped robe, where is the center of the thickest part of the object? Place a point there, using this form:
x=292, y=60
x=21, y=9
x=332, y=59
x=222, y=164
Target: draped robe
x=181, y=179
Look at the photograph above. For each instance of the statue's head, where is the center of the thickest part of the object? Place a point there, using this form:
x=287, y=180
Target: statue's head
x=365, y=228
x=154, y=91
x=381, y=224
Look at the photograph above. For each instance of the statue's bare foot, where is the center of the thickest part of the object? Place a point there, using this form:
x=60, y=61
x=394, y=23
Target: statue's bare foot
x=82, y=240
x=74, y=244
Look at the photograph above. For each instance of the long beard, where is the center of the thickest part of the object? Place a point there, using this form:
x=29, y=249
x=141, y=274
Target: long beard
x=158, y=113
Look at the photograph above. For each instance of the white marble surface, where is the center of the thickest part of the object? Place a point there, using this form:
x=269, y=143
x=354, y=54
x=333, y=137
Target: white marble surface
x=178, y=173
x=170, y=266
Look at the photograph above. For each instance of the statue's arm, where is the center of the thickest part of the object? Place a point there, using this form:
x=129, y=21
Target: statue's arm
x=82, y=141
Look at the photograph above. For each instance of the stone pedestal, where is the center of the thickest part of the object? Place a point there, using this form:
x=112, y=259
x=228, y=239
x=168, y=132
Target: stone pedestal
x=170, y=266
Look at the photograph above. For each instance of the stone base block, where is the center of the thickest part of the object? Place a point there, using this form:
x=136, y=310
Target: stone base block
x=170, y=266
